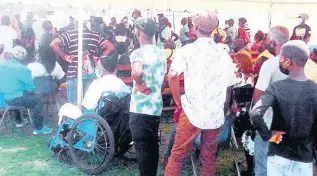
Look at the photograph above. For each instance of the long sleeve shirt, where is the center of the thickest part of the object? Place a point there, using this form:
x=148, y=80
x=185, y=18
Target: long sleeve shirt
x=15, y=78
x=295, y=110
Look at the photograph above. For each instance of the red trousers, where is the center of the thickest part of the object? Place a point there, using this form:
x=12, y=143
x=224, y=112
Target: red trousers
x=185, y=136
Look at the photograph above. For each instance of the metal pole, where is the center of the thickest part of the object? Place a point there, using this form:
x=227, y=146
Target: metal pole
x=270, y=14
x=174, y=21
x=80, y=53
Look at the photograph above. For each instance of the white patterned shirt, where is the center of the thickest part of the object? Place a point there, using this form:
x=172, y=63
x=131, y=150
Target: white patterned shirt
x=208, y=71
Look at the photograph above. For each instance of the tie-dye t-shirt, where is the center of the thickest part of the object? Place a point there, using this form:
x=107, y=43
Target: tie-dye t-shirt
x=154, y=70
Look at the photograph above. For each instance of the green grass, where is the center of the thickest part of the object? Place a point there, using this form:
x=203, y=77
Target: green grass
x=24, y=154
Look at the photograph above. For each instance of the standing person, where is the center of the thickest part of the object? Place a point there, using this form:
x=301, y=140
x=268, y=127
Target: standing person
x=135, y=15
x=269, y=73
x=113, y=23
x=7, y=34
x=72, y=24
x=294, y=102
x=164, y=33
x=18, y=18
x=69, y=41
x=18, y=89
x=242, y=32
x=184, y=32
x=14, y=24
x=202, y=105
x=231, y=31
x=311, y=66
x=301, y=31
x=148, y=72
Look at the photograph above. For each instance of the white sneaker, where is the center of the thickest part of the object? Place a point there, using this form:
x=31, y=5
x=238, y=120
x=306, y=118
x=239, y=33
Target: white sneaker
x=24, y=122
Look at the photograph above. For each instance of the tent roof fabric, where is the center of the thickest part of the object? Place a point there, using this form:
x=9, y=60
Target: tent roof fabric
x=156, y=4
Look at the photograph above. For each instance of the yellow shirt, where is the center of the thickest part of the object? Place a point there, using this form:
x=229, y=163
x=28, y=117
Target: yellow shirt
x=221, y=32
x=265, y=53
x=311, y=70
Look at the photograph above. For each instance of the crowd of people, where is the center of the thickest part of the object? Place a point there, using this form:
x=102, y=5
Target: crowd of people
x=213, y=61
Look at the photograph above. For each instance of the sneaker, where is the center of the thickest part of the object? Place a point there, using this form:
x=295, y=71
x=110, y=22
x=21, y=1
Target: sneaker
x=44, y=130
x=24, y=122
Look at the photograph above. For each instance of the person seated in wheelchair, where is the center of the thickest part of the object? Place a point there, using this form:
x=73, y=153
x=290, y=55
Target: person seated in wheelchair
x=107, y=84
x=109, y=97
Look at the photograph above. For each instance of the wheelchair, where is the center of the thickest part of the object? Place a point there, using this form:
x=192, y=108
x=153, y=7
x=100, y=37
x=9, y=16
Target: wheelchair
x=90, y=141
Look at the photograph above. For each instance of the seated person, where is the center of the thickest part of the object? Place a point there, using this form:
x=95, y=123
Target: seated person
x=107, y=83
x=46, y=64
x=258, y=38
x=17, y=87
x=244, y=76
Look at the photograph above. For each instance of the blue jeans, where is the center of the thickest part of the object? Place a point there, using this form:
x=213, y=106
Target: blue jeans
x=72, y=89
x=33, y=102
x=277, y=165
x=171, y=140
x=260, y=156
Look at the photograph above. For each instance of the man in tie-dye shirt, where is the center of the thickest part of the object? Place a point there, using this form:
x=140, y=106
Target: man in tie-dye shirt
x=148, y=72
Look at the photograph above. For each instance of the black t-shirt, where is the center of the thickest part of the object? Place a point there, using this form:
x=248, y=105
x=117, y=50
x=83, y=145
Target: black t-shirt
x=294, y=106
x=301, y=31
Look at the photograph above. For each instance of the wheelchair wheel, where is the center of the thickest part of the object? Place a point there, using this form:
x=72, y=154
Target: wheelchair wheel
x=91, y=150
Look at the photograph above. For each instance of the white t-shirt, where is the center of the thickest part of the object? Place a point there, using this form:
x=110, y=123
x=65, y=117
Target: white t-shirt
x=208, y=72
x=96, y=89
x=269, y=73
x=182, y=34
x=166, y=34
x=38, y=70
x=7, y=36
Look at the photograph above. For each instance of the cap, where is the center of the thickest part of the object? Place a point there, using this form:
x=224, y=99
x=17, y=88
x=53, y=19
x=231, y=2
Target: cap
x=206, y=21
x=18, y=52
x=146, y=25
x=303, y=16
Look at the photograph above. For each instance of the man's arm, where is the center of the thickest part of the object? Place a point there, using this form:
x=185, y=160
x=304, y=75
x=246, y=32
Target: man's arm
x=263, y=81
x=137, y=72
x=257, y=113
x=227, y=105
x=173, y=80
x=177, y=68
x=56, y=45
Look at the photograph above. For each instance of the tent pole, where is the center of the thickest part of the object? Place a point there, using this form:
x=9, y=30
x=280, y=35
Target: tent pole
x=174, y=21
x=270, y=14
x=80, y=53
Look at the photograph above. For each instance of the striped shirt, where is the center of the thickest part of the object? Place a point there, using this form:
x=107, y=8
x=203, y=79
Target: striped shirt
x=92, y=41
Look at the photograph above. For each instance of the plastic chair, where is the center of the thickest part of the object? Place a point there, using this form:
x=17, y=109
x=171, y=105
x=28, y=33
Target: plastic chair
x=6, y=108
x=45, y=87
x=226, y=135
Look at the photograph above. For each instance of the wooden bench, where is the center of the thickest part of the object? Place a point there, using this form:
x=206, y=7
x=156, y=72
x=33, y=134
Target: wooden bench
x=127, y=79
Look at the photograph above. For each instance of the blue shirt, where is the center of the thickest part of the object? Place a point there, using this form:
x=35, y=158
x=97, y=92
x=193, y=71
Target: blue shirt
x=15, y=78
